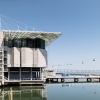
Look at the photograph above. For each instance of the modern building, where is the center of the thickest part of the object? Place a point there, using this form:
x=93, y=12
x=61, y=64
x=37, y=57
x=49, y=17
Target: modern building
x=23, y=56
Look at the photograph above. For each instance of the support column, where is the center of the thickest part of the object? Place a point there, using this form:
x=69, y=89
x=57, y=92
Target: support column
x=3, y=75
x=49, y=80
x=62, y=80
x=89, y=79
x=8, y=74
x=76, y=80
x=41, y=74
x=31, y=73
x=20, y=73
x=35, y=75
x=57, y=80
x=38, y=75
x=99, y=79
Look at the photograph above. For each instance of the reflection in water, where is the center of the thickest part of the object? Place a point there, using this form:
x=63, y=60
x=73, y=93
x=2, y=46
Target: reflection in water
x=77, y=91
x=23, y=94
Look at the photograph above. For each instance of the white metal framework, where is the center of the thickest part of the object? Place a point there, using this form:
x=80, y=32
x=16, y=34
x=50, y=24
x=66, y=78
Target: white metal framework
x=47, y=36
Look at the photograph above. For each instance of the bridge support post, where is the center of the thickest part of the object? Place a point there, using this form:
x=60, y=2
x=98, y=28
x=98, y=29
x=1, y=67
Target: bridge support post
x=49, y=80
x=76, y=80
x=99, y=79
x=89, y=79
x=57, y=80
x=62, y=80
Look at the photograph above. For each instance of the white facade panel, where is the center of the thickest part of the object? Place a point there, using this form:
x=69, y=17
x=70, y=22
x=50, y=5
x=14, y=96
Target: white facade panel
x=26, y=57
x=41, y=56
x=9, y=51
x=15, y=57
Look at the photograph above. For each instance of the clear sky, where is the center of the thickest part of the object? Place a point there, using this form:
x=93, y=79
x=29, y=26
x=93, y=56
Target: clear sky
x=77, y=20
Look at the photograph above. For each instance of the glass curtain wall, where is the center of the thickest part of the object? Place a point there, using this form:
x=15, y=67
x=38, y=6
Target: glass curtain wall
x=36, y=43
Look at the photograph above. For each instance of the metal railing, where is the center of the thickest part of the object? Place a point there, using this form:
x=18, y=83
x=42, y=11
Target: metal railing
x=68, y=70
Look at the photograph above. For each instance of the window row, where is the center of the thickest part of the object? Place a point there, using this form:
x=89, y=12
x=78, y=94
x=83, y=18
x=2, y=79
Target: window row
x=36, y=43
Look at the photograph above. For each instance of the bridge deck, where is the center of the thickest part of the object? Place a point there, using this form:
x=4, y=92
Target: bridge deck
x=72, y=77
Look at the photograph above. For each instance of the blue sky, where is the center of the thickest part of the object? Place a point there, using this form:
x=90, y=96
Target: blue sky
x=77, y=20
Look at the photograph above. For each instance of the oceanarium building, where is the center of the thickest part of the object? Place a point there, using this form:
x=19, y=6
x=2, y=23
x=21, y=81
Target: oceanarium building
x=23, y=56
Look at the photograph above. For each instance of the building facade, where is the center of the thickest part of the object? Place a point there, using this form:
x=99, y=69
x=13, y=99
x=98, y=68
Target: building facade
x=23, y=56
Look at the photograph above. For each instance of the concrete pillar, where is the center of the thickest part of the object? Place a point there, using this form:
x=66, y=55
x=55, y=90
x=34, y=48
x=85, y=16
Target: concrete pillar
x=3, y=75
x=57, y=80
x=76, y=80
x=8, y=74
x=41, y=73
x=36, y=75
x=49, y=80
x=62, y=80
x=20, y=73
x=89, y=79
x=31, y=73
x=99, y=79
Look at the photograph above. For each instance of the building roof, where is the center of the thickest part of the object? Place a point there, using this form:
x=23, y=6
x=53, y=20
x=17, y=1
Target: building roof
x=47, y=36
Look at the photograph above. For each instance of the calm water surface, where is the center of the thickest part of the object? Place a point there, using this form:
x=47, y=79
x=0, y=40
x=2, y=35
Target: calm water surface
x=77, y=91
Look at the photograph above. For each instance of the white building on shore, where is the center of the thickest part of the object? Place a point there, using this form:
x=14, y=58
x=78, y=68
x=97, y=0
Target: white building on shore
x=23, y=55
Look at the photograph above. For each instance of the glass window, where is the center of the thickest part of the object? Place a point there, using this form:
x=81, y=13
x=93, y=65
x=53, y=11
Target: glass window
x=30, y=43
x=25, y=69
x=39, y=43
x=10, y=43
x=5, y=42
x=23, y=43
x=14, y=69
x=17, y=43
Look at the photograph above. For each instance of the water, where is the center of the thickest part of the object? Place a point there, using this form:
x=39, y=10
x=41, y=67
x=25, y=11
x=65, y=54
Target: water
x=77, y=91
x=74, y=92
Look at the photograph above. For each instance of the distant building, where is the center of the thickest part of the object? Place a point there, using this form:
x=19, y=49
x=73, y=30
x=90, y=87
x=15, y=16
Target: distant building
x=23, y=55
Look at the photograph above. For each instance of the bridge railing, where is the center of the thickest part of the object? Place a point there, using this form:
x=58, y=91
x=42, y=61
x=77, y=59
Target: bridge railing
x=69, y=70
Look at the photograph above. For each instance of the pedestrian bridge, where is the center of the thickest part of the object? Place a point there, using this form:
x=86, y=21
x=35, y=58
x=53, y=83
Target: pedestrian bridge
x=76, y=78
